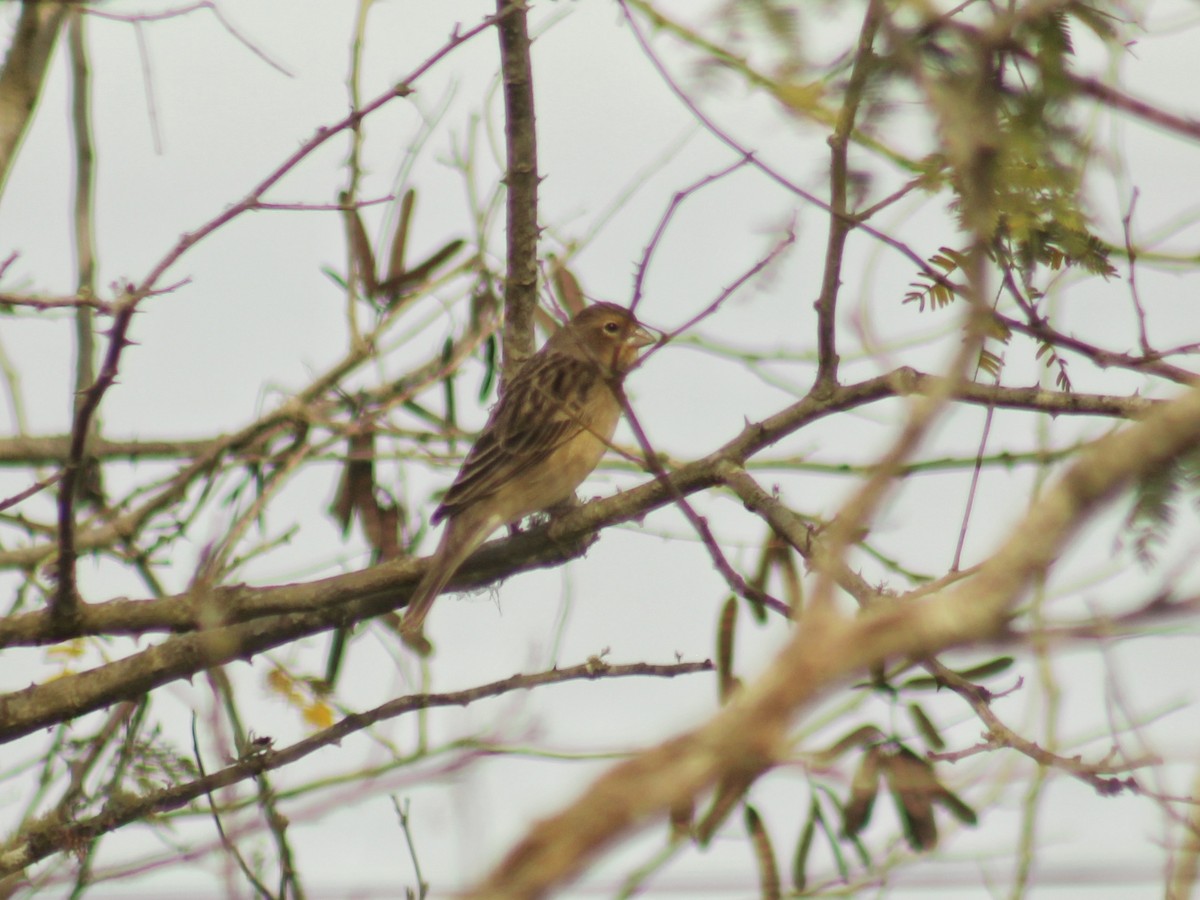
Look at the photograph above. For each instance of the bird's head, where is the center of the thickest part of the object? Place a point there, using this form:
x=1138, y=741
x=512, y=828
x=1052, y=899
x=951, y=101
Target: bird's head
x=606, y=334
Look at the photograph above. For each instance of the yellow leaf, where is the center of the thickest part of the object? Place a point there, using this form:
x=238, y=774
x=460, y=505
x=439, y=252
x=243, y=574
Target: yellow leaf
x=280, y=682
x=802, y=98
x=318, y=714
x=69, y=650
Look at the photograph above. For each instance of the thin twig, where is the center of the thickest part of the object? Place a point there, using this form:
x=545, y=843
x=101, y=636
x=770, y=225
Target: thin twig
x=402, y=815
x=65, y=604
x=30, y=491
x=771, y=256
x=736, y=582
x=677, y=200
x=840, y=222
x=973, y=488
x=1000, y=735
x=276, y=823
x=229, y=845
x=402, y=89
x=138, y=18
x=1131, y=255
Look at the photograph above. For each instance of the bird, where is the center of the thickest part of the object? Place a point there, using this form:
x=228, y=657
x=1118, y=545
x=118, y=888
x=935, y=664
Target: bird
x=552, y=425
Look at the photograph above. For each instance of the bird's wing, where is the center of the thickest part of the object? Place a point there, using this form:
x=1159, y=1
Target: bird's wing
x=542, y=408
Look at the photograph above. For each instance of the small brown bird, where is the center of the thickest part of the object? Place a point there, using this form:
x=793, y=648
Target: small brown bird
x=544, y=437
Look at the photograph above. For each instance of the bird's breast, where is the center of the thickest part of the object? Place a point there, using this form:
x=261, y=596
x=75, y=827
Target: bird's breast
x=553, y=480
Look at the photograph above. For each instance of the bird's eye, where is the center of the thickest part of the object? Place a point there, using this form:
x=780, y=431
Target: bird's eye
x=611, y=327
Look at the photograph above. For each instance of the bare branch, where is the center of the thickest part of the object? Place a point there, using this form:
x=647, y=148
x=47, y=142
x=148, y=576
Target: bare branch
x=521, y=180
x=65, y=606
x=840, y=223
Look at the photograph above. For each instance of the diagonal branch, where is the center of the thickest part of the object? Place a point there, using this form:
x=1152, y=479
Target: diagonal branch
x=23, y=75
x=826, y=649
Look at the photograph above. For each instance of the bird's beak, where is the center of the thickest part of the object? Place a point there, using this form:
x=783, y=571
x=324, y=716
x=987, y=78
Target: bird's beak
x=641, y=337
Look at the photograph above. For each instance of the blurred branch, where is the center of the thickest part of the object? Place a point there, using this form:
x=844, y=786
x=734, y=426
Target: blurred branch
x=1185, y=864
x=1110, y=96
x=26, y=451
x=44, y=303
x=85, y=242
x=825, y=650
x=23, y=74
x=139, y=18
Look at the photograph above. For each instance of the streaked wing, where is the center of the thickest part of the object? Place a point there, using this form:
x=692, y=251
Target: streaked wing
x=541, y=410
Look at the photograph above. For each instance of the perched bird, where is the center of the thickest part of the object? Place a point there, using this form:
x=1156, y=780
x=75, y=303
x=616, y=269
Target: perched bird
x=545, y=436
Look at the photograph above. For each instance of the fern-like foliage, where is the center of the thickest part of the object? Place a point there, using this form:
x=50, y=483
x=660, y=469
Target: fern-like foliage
x=1156, y=501
x=1010, y=148
x=931, y=288
x=990, y=362
x=1062, y=379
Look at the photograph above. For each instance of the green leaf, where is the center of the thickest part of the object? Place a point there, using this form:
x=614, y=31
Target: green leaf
x=925, y=727
x=764, y=853
x=335, y=277
x=804, y=847
x=954, y=805
x=726, y=631
x=490, y=358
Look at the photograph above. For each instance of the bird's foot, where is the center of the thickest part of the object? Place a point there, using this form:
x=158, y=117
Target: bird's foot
x=560, y=509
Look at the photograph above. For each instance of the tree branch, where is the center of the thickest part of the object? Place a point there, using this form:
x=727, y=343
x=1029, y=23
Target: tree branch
x=840, y=223
x=521, y=180
x=65, y=605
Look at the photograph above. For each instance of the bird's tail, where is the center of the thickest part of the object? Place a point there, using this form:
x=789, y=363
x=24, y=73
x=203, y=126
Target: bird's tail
x=458, y=542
